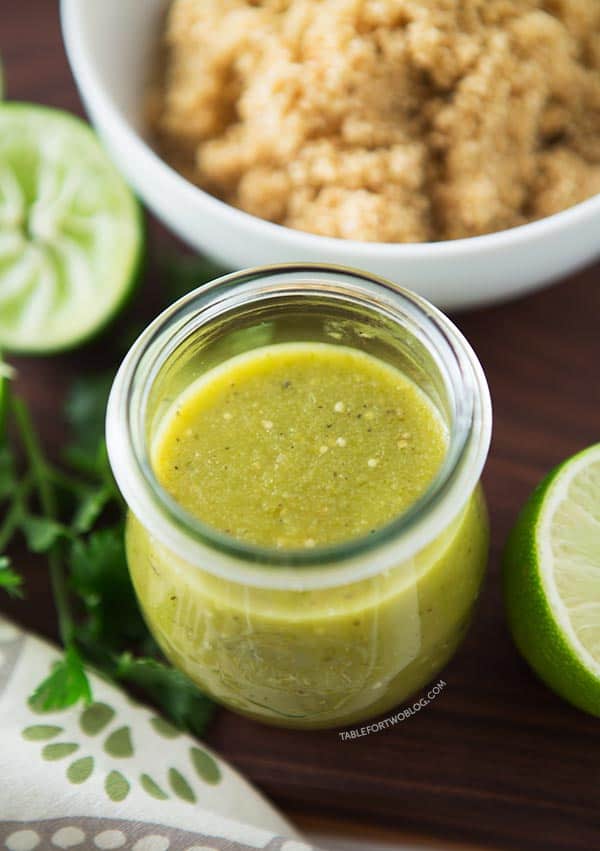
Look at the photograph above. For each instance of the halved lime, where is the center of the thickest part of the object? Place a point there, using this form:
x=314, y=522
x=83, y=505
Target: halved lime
x=71, y=232
x=552, y=580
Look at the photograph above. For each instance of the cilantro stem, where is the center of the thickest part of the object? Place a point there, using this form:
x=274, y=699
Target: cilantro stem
x=63, y=480
x=15, y=511
x=37, y=462
x=39, y=473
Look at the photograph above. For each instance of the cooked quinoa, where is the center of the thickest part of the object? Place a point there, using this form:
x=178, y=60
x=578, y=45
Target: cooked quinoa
x=384, y=120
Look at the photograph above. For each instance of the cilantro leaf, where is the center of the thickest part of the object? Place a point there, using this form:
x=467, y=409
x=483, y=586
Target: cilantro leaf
x=41, y=533
x=99, y=576
x=85, y=411
x=90, y=507
x=10, y=580
x=176, y=695
x=85, y=408
x=66, y=685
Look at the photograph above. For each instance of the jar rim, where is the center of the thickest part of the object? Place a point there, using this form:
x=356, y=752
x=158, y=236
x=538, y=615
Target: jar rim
x=349, y=561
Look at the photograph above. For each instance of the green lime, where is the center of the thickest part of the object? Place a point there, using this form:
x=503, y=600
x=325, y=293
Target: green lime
x=71, y=232
x=552, y=580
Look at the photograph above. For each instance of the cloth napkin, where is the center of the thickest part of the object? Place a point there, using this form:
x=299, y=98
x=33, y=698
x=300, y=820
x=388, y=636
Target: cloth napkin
x=114, y=774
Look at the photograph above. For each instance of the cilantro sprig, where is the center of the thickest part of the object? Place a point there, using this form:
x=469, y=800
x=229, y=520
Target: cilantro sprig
x=74, y=515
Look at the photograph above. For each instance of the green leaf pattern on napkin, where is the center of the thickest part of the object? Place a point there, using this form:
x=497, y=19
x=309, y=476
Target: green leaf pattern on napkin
x=79, y=770
x=100, y=730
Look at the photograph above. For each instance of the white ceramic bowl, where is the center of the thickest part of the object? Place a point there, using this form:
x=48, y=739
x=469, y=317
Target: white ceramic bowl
x=111, y=44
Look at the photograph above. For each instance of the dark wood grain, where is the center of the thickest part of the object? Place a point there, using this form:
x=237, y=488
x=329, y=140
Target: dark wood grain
x=496, y=759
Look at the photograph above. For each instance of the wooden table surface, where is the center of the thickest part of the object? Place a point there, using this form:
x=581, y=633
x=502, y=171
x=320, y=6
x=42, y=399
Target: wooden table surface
x=497, y=760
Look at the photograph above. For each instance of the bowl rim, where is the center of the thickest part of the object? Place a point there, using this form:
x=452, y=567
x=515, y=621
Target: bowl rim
x=98, y=99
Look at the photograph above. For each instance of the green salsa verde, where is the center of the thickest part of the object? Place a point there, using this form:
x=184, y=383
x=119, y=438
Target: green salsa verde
x=300, y=445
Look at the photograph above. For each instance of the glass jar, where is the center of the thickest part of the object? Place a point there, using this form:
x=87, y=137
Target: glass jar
x=325, y=636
